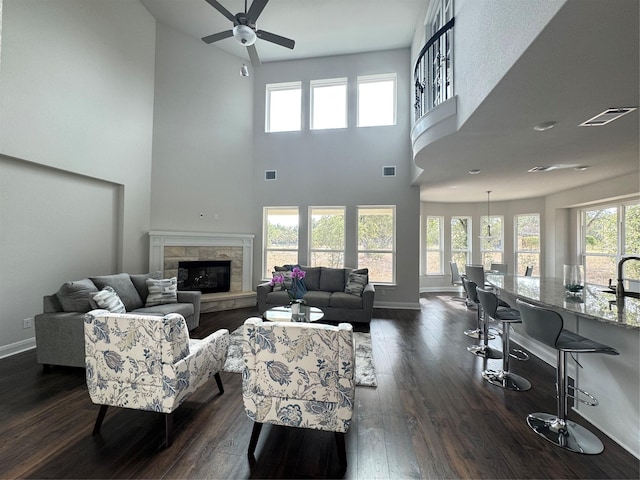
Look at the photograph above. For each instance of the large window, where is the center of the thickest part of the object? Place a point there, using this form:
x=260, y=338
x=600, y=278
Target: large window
x=280, y=238
x=284, y=107
x=609, y=233
x=461, y=241
x=491, y=240
x=434, y=254
x=377, y=100
x=326, y=236
x=527, y=250
x=376, y=242
x=328, y=104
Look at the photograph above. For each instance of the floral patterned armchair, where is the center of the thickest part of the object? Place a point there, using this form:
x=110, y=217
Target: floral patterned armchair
x=299, y=375
x=148, y=362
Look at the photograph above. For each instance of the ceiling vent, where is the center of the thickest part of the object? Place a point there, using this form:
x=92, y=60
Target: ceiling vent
x=608, y=116
x=270, y=174
x=559, y=166
x=539, y=169
x=388, y=171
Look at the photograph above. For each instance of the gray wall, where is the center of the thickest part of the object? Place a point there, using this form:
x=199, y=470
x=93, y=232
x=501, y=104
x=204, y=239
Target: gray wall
x=202, y=140
x=342, y=166
x=76, y=113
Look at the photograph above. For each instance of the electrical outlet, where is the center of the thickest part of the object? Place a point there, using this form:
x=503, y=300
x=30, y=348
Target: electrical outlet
x=27, y=322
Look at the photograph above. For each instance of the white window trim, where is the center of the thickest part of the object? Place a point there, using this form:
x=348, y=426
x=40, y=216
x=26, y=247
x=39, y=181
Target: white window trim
x=273, y=87
x=329, y=82
x=440, y=248
x=393, y=247
x=519, y=270
x=265, y=248
x=469, y=250
x=383, y=77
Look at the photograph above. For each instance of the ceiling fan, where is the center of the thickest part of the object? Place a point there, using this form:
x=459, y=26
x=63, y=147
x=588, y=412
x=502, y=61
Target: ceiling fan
x=244, y=28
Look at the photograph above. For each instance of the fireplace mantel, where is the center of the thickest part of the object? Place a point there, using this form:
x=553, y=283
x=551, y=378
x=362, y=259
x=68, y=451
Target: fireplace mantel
x=158, y=240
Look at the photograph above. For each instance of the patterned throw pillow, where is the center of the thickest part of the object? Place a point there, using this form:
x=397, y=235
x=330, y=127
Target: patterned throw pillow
x=162, y=291
x=356, y=283
x=108, y=299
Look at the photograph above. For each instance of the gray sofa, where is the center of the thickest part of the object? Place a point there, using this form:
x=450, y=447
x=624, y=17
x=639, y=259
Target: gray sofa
x=325, y=290
x=60, y=328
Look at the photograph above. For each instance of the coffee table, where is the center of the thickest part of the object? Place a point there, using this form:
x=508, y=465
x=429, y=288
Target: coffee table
x=283, y=314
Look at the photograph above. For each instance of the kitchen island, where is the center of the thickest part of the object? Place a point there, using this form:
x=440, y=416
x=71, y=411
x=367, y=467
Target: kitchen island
x=613, y=380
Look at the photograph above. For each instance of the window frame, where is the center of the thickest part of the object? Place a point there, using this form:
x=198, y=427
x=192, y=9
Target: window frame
x=484, y=220
x=439, y=251
x=312, y=250
x=378, y=78
x=274, y=87
x=266, y=269
x=392, y=251
x=328, y=82
x=520, y=269
x=469, y=251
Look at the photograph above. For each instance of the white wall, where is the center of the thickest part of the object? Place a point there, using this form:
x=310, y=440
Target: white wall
x=202, y=142
x=77, y=95
x=343, y=166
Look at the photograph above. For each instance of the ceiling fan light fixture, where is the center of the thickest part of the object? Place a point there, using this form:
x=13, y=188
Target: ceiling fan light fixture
x=245, y=35
x=544, y=126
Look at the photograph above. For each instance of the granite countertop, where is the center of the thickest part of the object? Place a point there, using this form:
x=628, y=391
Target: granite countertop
x=591, y=302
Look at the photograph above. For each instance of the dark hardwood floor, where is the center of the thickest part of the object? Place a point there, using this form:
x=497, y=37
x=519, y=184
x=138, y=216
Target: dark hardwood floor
x=431, y=416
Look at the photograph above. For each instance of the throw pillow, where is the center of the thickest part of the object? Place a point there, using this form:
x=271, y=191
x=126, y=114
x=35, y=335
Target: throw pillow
x=75, y=296
x=108, y=299
x=355, y=284
x=123, y=286
x=162, y=291
x=140, y=282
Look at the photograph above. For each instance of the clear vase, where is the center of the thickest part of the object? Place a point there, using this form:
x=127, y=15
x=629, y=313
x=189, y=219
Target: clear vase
x=573, y=278
x=295, y=308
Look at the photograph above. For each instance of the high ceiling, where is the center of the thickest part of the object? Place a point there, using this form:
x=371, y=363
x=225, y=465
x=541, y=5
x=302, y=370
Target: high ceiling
x=585, y=61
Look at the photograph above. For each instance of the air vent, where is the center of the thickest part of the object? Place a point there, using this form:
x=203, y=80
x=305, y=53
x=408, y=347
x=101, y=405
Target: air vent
x=608, y=116
x=270, y=174
x=539, y=169
x=388, y=171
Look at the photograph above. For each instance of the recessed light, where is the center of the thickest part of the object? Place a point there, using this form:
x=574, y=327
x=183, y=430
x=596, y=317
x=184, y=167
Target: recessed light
x=541, y=127
x=475, y=171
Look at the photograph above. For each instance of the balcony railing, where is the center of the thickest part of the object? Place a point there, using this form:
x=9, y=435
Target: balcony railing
x=433, y=73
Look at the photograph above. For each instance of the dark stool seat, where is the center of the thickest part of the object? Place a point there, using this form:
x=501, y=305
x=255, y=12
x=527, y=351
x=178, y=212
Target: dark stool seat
x=547, y=326
x=482, y=331
x=503, y=378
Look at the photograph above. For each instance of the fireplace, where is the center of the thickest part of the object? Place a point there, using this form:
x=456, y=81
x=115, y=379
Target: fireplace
x=207, y=276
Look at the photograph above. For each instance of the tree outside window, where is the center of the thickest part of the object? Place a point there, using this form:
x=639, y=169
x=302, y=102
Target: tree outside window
x=434, y=253
x=461, y=241
x=527, y=243
x=376, y=242
x=326, y=236
x=280, y=238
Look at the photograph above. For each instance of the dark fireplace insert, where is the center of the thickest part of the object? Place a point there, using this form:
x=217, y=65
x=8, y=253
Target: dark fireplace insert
x=208, y=276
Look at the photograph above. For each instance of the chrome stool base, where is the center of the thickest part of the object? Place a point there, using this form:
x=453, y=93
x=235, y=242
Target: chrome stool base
x=507, y=380
x=477, y=333
x=485, y=352
x=568, y=435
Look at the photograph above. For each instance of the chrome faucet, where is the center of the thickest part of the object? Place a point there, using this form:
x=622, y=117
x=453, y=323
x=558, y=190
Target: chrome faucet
x=620, y=284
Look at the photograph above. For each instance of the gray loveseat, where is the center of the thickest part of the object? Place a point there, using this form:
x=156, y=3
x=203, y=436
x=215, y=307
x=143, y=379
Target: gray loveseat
x=325, y=290
x=60, y=328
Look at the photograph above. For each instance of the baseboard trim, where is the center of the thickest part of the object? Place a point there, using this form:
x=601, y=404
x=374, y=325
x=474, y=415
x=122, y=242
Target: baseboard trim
x=17, y=347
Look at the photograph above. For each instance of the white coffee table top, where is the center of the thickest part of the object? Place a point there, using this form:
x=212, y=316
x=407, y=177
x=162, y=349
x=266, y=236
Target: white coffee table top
x=283, y=314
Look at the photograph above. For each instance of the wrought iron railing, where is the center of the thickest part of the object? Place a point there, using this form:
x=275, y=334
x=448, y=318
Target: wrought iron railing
x=433, y=73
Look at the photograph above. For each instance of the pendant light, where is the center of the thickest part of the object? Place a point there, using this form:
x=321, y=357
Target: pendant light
x=488, y=236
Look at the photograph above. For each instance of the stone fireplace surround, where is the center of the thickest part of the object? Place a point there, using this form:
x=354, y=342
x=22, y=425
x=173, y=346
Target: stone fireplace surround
x=167, y=248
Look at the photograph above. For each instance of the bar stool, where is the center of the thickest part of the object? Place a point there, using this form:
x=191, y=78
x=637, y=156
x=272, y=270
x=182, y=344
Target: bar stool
x=547, y=327
x=503, y=378
x=482, y=331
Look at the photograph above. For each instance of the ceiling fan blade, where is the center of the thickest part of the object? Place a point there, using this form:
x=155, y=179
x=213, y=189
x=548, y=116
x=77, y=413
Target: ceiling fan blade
x=215, y=4
x=253, y=55
x=273, y=38
x=217, y=36
x=256, y=9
